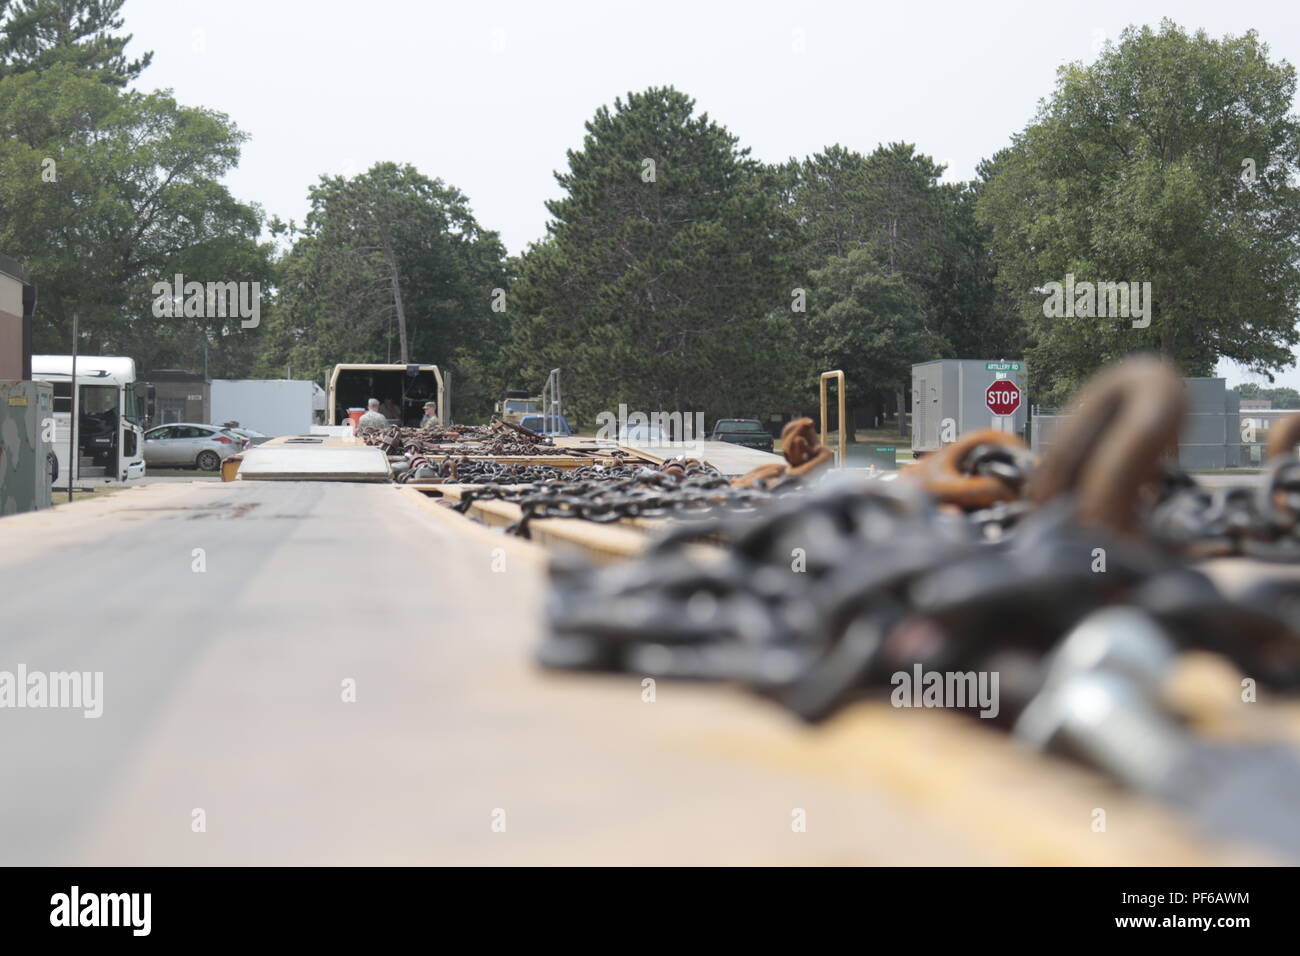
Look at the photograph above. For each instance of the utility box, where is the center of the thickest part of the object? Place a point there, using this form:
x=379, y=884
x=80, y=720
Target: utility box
x=1210, y=438
x=25, y=408
x=953, y=396
x=1211, y=435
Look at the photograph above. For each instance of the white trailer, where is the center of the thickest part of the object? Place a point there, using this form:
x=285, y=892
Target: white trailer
x=273, y=406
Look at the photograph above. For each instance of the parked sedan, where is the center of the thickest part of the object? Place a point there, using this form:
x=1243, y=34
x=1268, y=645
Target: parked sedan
x=187, y=445
x=742, y=431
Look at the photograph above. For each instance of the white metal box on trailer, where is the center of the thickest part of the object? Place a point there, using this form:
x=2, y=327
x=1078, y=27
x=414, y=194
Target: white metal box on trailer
x=272, y=406
x=954, y=396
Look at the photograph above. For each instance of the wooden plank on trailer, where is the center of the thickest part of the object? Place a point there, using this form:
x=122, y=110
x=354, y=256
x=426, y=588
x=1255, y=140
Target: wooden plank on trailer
x=442, y=512
x=730, y=459
x=600, y=542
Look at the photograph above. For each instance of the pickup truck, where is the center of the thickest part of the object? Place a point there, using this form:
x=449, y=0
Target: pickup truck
x=748, y=432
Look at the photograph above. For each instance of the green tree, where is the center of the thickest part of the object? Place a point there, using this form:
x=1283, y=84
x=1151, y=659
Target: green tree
x=391, y=258
x=664, y=281
x=890, y=207
x=967, y=307
x=1171, y=160
x=105, y=192
x=40, y=34
x=1280, y=397
x=869, y=322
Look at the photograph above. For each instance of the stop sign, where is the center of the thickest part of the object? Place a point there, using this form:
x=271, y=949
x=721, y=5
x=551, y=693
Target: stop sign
x=1002, y=397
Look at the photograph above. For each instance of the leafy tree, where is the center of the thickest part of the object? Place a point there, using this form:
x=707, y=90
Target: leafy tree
x=890, y=199
x=870, y=322
x=664, y=281
x=40, y=34
x=967, y=308
x=105, y=192
x=827, y=199
x=391, y=256
x=887, y=214
x=1170, y=160
x=1280, y=397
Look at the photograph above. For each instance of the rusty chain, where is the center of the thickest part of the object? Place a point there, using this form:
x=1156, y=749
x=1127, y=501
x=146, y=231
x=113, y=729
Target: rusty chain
x=979, y=561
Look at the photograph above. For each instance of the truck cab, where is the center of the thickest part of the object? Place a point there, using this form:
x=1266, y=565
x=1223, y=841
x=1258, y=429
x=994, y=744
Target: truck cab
x=110, y=417
x=516, y=404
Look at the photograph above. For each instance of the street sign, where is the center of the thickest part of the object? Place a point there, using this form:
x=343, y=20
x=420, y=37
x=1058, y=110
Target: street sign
x=1002, y=397
x=1002, y=367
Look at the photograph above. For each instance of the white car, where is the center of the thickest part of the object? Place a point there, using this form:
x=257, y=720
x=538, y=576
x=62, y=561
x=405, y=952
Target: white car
x=188, y=445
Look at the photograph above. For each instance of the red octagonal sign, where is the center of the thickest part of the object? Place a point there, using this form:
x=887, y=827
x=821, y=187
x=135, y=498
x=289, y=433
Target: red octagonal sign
x=1002, y=397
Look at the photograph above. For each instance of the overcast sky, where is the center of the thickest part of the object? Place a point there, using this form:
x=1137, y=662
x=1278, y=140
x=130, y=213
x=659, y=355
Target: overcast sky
x=488, y=96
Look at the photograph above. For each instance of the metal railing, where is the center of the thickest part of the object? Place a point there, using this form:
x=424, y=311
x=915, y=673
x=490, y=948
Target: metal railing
x=552, y=409
x=821, y=388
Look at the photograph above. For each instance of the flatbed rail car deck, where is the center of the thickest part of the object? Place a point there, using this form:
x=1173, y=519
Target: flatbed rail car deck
x=312, y=588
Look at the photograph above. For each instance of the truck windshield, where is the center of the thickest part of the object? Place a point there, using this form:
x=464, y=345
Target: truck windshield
x=742, y=427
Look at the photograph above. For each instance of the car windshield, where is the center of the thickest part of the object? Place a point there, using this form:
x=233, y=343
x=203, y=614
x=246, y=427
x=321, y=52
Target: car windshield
x=749, y=428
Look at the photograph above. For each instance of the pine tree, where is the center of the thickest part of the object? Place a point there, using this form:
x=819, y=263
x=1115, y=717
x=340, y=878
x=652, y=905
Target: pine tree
x=664, y=281
x=80, y=33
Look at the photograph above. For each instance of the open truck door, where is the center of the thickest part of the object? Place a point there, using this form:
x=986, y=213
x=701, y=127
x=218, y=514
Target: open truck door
x=407, y=386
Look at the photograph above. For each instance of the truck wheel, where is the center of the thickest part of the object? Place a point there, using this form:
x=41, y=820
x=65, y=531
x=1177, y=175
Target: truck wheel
x=208, y=461
x=52, y=461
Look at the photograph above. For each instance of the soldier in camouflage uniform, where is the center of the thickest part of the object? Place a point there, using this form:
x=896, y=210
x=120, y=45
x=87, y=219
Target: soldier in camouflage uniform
x=373, y=418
